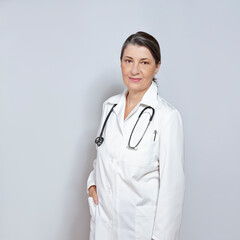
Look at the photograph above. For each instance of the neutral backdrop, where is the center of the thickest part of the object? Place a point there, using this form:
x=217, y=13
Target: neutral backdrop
x=59, y=60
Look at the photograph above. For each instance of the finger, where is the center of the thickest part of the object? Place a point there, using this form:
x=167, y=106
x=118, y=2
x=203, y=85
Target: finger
x=92, y=191
x=95, y=198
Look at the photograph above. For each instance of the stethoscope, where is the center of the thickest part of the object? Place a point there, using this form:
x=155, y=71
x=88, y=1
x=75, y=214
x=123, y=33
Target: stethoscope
x=99, y=140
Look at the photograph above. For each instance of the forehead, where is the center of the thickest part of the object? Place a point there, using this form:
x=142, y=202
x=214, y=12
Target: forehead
x=137, y=52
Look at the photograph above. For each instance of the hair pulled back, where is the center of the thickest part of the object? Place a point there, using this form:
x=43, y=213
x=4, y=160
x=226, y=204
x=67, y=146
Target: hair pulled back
x=146, y=40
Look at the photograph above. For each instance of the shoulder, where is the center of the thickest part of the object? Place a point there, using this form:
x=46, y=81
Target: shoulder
x=113, y=99
x=166, y=110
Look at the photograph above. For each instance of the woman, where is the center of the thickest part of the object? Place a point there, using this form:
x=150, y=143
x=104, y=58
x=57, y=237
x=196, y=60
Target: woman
x=136, y=188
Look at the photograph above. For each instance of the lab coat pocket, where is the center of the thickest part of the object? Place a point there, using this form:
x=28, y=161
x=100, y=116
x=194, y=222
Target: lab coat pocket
x=145, y=154
x=92, y=207
x=144, y=219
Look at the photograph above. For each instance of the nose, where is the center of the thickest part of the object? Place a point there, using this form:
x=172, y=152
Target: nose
x=135, y=69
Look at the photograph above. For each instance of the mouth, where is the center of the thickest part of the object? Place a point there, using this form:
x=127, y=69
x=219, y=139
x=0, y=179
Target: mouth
x=135, y=79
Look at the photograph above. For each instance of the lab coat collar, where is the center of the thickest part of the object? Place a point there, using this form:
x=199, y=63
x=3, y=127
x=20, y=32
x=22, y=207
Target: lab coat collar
x=150, y=98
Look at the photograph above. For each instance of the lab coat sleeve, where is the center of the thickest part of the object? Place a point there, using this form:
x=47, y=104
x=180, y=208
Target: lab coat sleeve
x=92, y=176
x=172, y=179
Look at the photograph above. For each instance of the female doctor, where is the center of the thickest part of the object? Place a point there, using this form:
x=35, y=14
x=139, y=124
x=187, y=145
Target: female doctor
x=136, y=187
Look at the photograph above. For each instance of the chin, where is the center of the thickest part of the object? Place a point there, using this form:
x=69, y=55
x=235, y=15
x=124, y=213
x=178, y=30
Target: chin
x=135, y=86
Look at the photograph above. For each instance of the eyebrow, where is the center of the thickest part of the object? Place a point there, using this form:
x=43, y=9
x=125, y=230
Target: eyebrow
x=140, y=59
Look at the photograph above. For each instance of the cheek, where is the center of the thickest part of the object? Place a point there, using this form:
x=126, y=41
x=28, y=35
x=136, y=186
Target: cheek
x=125, y=70
x=148, y=72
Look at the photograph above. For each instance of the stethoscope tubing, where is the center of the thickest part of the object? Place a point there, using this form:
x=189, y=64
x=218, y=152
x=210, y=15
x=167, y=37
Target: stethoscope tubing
x=99, y=140
x=150, y=119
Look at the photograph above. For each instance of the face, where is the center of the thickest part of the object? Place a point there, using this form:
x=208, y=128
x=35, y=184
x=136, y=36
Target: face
x=138, y=68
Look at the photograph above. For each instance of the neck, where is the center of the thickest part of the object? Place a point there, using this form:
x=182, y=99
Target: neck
x=133, y=98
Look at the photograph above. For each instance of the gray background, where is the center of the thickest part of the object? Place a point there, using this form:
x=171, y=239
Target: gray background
x=59, y=60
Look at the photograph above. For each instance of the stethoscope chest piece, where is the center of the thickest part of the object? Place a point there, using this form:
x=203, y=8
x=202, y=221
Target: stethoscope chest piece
x=99, y=141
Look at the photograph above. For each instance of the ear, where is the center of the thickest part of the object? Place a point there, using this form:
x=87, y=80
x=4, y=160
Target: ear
x=157, y=67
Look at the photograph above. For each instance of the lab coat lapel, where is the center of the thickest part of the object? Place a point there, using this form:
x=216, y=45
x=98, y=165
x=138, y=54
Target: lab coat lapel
x=120, y=100
x=149, y=99
x=119, y=111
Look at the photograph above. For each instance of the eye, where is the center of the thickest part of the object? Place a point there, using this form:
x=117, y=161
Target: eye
x=127, y=60
x=144, y=63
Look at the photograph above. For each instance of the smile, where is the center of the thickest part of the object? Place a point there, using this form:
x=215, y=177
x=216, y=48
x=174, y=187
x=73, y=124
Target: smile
x=135, y=79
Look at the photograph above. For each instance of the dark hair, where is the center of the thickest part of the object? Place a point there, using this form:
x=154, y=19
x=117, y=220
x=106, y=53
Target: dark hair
x=146, y=40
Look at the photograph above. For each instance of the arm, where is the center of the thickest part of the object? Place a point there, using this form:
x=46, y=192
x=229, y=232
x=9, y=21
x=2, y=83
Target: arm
x=91, y=181
x=172, y=180
x=91, y=184
x=92, y=177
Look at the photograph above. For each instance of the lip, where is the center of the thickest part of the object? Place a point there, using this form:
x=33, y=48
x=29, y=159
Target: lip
x=135, y=79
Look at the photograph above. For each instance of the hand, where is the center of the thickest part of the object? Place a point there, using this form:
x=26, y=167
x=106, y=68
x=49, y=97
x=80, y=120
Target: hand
x=93, y=193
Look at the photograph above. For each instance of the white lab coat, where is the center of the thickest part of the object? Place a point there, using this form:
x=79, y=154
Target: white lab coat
x=141, y=191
